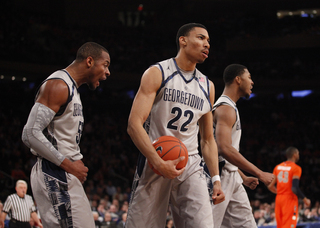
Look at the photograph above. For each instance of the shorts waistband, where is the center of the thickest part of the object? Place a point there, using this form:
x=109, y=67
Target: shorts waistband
x=18, y=222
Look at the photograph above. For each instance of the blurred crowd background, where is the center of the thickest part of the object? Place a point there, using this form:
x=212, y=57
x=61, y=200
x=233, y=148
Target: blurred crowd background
x=281, y=52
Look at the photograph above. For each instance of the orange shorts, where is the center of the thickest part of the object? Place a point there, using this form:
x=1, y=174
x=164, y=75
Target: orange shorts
x=287, y=211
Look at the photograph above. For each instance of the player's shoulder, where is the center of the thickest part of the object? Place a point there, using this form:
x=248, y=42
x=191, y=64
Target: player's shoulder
x=297, y=166
x=225, y=103
x=59, y=74
x=58, y=78
x=164, y=64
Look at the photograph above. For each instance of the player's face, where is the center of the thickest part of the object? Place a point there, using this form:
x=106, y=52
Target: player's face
x=246, y=83
x=197, y=44
x=21, y=190
x=100, y=71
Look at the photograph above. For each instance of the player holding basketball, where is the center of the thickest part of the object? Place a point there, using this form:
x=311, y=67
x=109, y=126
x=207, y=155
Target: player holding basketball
x=286, y=186
x=53, y=133
x=172, y=99
x=235, y=211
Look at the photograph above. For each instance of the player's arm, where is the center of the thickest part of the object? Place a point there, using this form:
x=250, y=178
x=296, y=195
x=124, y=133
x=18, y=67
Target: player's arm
x=296, y=190
x=250, y=182
x=2, y=219
x=35, y=217
x=52, y=95
x=5, y=210
x=141, y=107
x=225, y=117
x=210, y=151
x=272, y=186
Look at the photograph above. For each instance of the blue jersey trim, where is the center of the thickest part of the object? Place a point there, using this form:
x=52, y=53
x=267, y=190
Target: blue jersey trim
x=162, y=74
x=179, y=72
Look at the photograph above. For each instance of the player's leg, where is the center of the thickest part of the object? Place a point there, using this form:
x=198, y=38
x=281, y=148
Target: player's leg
x=149, y=200
x=49, y=187
x=278, y=210
x=239, y=211
x=80, y=206
x=290, y=212
x=227, y=184
x=189, y=199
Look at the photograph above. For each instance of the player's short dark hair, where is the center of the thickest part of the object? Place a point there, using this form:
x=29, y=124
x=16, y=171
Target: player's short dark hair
x=185, y=29
x=90, y=49
x=291, y=151
x=232, y=71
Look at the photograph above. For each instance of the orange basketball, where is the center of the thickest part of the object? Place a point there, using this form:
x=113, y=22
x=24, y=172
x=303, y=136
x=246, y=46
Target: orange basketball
x=170, y=148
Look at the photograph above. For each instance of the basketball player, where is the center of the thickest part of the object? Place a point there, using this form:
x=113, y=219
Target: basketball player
x=286, y=186
x=235, y=211
x=172, y=99
x=53, y=133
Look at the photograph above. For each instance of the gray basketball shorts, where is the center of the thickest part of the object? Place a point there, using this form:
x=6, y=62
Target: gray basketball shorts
x=236, y=210
x=187, y=195
x=60, y=197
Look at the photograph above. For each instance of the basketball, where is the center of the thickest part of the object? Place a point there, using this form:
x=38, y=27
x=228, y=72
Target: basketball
x=170, y=148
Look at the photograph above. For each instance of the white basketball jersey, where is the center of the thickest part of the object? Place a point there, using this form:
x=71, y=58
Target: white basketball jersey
x=179, y=104
x=65, y=130
x=236, y=128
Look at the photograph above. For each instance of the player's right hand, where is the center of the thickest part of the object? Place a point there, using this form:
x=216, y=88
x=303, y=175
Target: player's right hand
x=307, y=202
x=217, y=195
x=168, y=168
x=266, y=178
x=80, y=171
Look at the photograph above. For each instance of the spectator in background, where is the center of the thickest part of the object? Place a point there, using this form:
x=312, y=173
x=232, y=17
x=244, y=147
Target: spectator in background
x=318, y=214
x=105, y=201
x=258, y=217
x=271, y=220
x=110, y=189
x=123, y=220
x=108, y=222
x=101, y=209
x=169, y=223
x=94, y=205
x=97, y=219
x=116, y=203
x=21, y=207
x=124, y=208
x=113, y=210
x=118, y=195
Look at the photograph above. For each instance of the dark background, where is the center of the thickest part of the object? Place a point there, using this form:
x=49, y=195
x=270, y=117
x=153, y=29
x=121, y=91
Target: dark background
x=282, y=54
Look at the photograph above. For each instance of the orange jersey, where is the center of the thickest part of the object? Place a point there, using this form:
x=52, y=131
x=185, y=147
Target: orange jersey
x=284, y=173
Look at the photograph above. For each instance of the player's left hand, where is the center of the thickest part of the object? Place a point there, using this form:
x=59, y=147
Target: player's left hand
x=218, y=195
x=251, y=182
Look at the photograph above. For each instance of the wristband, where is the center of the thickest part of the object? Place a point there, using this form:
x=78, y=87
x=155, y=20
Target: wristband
x=215, y=178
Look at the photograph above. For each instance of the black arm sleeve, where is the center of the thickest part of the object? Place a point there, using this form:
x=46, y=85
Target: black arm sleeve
x=295, y=188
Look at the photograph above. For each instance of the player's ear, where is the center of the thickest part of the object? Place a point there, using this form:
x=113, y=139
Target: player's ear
x=183, y=40
x=237, y=79
x=89, y=61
